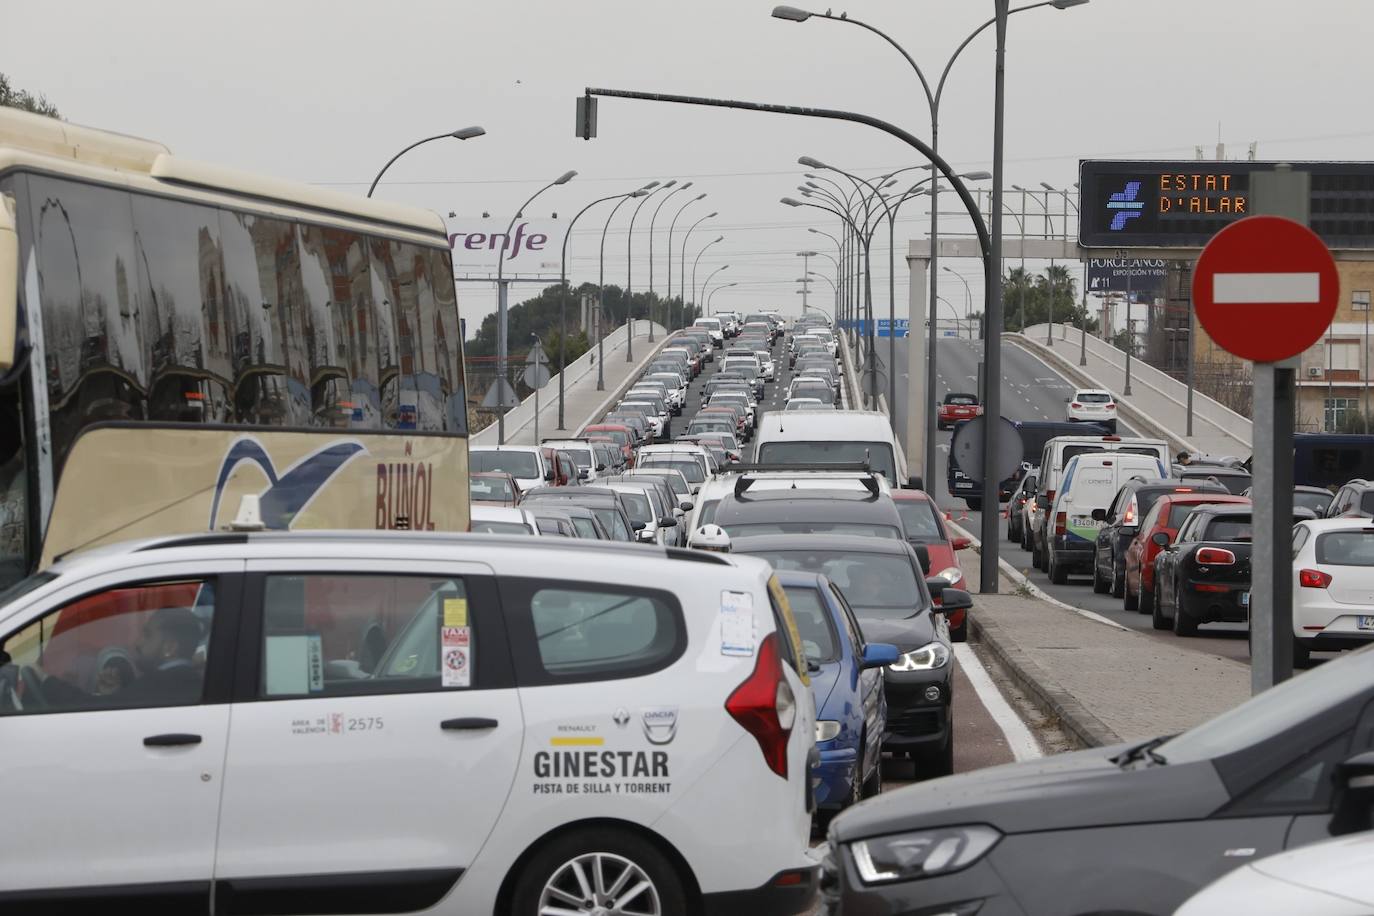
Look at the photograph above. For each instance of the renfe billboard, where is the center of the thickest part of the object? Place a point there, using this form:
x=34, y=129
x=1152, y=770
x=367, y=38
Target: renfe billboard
x=531, y=250
x=1182, y=204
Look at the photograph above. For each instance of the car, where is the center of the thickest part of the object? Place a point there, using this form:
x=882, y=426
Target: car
x=1024, y=492
x=530, y=465
x=1122, y=523
x=692, y=460
x=653, y=520
x=1091, y=405
x=493, y=488
x=609, y=506
x=1203, y=575
x=714, y=327
x=1354, y=500
x=1079, y=509
x=1150, y=822
x=583, y=519
x=712, y=423
x=622, y=435
x=608, y=454
x=847, y=684
x=545, y=696
x=1166, y=516
x=818, y=388
x=502, y=520
x=811, y=436
x=554, y=523
x=746, y=512
x=924, y=527
x=1333, y=582
x=957, y=406
x=1330, y=878
x=1235, y=480
x=1318, y=499
x=582, y=454
x=807, y=404
x=881, y=580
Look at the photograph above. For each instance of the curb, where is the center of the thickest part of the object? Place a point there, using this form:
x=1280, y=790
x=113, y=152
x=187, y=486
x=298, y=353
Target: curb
x=1052, y=699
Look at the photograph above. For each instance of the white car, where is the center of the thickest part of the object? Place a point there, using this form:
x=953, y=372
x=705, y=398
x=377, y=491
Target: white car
x=526, y=463
x=1092, y=405
x=1333, y=585
x=582, y=454
x=808, y=404
x=1331, y=878
x=712, y=326
x=503, y=520
x=354, y=722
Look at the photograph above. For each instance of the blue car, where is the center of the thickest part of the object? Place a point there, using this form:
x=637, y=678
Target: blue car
x=847, y=682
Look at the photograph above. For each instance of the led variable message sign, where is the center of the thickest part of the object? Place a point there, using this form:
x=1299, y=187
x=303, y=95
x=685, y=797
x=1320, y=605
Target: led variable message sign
x=1182, y=204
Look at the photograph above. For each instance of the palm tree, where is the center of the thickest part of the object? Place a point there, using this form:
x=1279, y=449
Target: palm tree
x=1017, y=287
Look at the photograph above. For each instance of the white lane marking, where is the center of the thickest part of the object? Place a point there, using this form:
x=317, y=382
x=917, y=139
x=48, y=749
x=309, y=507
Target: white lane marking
x=1257, y=288
x=1020, y=741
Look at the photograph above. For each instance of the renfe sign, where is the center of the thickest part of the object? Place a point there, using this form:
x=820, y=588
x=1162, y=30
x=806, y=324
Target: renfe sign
x=531, y=249
x=1265, y=288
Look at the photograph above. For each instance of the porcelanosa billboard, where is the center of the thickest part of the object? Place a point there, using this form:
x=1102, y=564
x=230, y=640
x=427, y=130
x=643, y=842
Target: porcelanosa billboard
x=532, y=248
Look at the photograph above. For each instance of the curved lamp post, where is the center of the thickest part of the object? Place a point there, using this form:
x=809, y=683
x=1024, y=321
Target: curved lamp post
x=716, y=290
x=705, y=284
x=652, y=219
x=653, y=188
x=682, y=266
x=695, y=262
x=465, y=133
x=671, y=227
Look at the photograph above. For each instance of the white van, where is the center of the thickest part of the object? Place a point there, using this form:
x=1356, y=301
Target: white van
x=830, y=436
x=713, y=327
x=1090, y=484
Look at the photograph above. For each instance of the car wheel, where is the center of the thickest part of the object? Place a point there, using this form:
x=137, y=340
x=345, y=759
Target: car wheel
x=1183, y=624
x=1025, y=538
x=1147, y=600
x=1157, y=618
x=1100, y=585
x=1058, y=575
x=597, y=871
x=1037, y=556
x=1129, y=601
x=1118, y=580
x=1302, y=655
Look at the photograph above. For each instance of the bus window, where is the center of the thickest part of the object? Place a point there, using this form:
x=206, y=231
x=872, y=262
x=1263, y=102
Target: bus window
x=14, y=490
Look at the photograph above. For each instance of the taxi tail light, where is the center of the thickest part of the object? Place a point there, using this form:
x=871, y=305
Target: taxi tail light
x=1061, y=523
x=1314, y=578
x=1215, y=556
x=764, y=706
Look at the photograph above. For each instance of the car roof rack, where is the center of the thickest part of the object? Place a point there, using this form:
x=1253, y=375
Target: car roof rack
x=744, y=482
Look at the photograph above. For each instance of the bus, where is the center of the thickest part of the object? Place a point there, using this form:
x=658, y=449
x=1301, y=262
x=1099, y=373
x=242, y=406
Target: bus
x=1331, y=459
x=175, y=335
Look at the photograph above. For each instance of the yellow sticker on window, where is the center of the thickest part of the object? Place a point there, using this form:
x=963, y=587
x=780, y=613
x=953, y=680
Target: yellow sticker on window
x=455, y=612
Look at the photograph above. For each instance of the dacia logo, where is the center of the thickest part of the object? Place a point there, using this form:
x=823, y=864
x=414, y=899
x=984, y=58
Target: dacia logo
x=660, y=724
x=1124, y=206
x=289, y=493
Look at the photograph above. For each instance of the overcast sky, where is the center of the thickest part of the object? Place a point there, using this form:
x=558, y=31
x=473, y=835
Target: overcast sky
x=326, y=92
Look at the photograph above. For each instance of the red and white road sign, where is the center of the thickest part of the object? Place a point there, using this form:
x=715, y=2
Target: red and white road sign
x=1265, y=288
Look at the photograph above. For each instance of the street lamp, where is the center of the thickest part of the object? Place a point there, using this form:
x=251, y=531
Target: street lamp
x=682, y=265
x=839, y=273
x=671, y=227
x=992, y=353
x=696, y=261
x=601, y=301
x=563, y=298
x=502, y=300
x=652, y=219
x=716, y=290
x=653, y=188
x=705, y=284
x=968, y=292
x=806, y=257
x=466, y=133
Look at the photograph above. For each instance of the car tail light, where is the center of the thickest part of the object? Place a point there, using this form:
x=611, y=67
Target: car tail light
x=1209, y=587
x=1075, y=405
x=765, y=707
x=1111, y=407
x=1129, y=517
x=1215, y=556
x=1314, y=578
x=1061, y=523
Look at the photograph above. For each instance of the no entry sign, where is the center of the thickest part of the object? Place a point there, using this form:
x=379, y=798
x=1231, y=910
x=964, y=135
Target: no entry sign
x=1265, y=288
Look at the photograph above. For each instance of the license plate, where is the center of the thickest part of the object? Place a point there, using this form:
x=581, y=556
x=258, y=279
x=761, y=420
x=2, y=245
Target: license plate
x=1244, y=599
x=1087, y=521
x=1365, y=622
x=963, y=485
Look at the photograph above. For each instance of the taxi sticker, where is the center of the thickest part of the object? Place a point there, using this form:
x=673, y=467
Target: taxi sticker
x=455, y=612
x=455, y=657
x=736, y=623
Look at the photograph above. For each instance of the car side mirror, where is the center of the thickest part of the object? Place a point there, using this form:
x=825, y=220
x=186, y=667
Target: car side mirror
x=953, y=599
x=584, y=474
x=644, y=535
x=961, y=543
x=879, y=655
x=667, y=522
x=601, y=467
x=1128, y=530
x=686, y=505
x=640, y=526
x=923, y=555
x=1159, y=539
x=1353, y=807
x=1099, y=515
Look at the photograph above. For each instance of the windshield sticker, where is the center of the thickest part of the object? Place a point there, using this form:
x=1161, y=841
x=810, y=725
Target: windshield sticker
x=455, y=657
x=736, y=623
x=455, y=612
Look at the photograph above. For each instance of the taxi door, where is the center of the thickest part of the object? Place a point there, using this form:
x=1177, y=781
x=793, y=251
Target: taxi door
x=373, y=740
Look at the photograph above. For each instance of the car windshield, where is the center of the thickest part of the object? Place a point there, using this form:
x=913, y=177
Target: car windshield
x=637, y=505
x=491, y=489
x=1317, y=502
x=516, y=464
x=918, y=518
x=582, y=457
x=482, y=526
x=1346, y=548
x=613, y=522
x=689, y=468
x=877, y=454
x=817, y=627
x=1179, y=511
x=881, y=584
x=675, y=482
x=819, y=526
x=1304, y=698
x=711, y=424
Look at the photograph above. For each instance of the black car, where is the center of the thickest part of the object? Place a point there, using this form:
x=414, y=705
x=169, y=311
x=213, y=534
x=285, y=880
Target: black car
x=864, y=513
x=1024, y=491
x=1317, y=499
x=1133, y=501
x=1203, y=576
x=883, y=582
x=1235, y=480
x=1128, y=829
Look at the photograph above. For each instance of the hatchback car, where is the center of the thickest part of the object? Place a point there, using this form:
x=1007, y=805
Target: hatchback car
x=1132, y=828
x=493, y=489
x=746, y=513
x=847, y=683
x=957, y=406
x=1091, y=405
x=1122, y=523
x=1333, y=585
x=1165, y=517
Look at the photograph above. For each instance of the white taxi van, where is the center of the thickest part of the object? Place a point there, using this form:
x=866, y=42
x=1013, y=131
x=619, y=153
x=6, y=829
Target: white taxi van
x=345, y=722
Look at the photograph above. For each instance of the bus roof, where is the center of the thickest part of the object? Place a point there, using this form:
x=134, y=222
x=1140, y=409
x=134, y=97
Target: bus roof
x=41, y=142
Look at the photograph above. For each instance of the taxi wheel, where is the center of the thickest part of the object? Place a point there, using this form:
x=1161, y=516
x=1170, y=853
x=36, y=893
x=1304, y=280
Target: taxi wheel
x=621, y=871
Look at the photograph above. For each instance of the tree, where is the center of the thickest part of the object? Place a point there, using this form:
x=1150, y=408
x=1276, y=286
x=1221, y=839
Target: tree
x=10, y=97
x=1026, y=299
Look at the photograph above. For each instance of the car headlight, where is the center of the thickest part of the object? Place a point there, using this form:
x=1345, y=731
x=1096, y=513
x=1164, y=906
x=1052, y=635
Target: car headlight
x=951, y=574
x=827, y=730
x=912, y=856
x=930, y=656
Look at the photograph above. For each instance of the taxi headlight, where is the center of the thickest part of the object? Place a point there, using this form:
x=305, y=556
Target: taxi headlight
x=913, y=856
x=931, y=655
x=827, y=730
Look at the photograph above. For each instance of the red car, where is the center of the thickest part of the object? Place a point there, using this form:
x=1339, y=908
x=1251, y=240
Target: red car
x=622, y=436
x=958, y=406
x=1164, y=516
x=925, y=528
